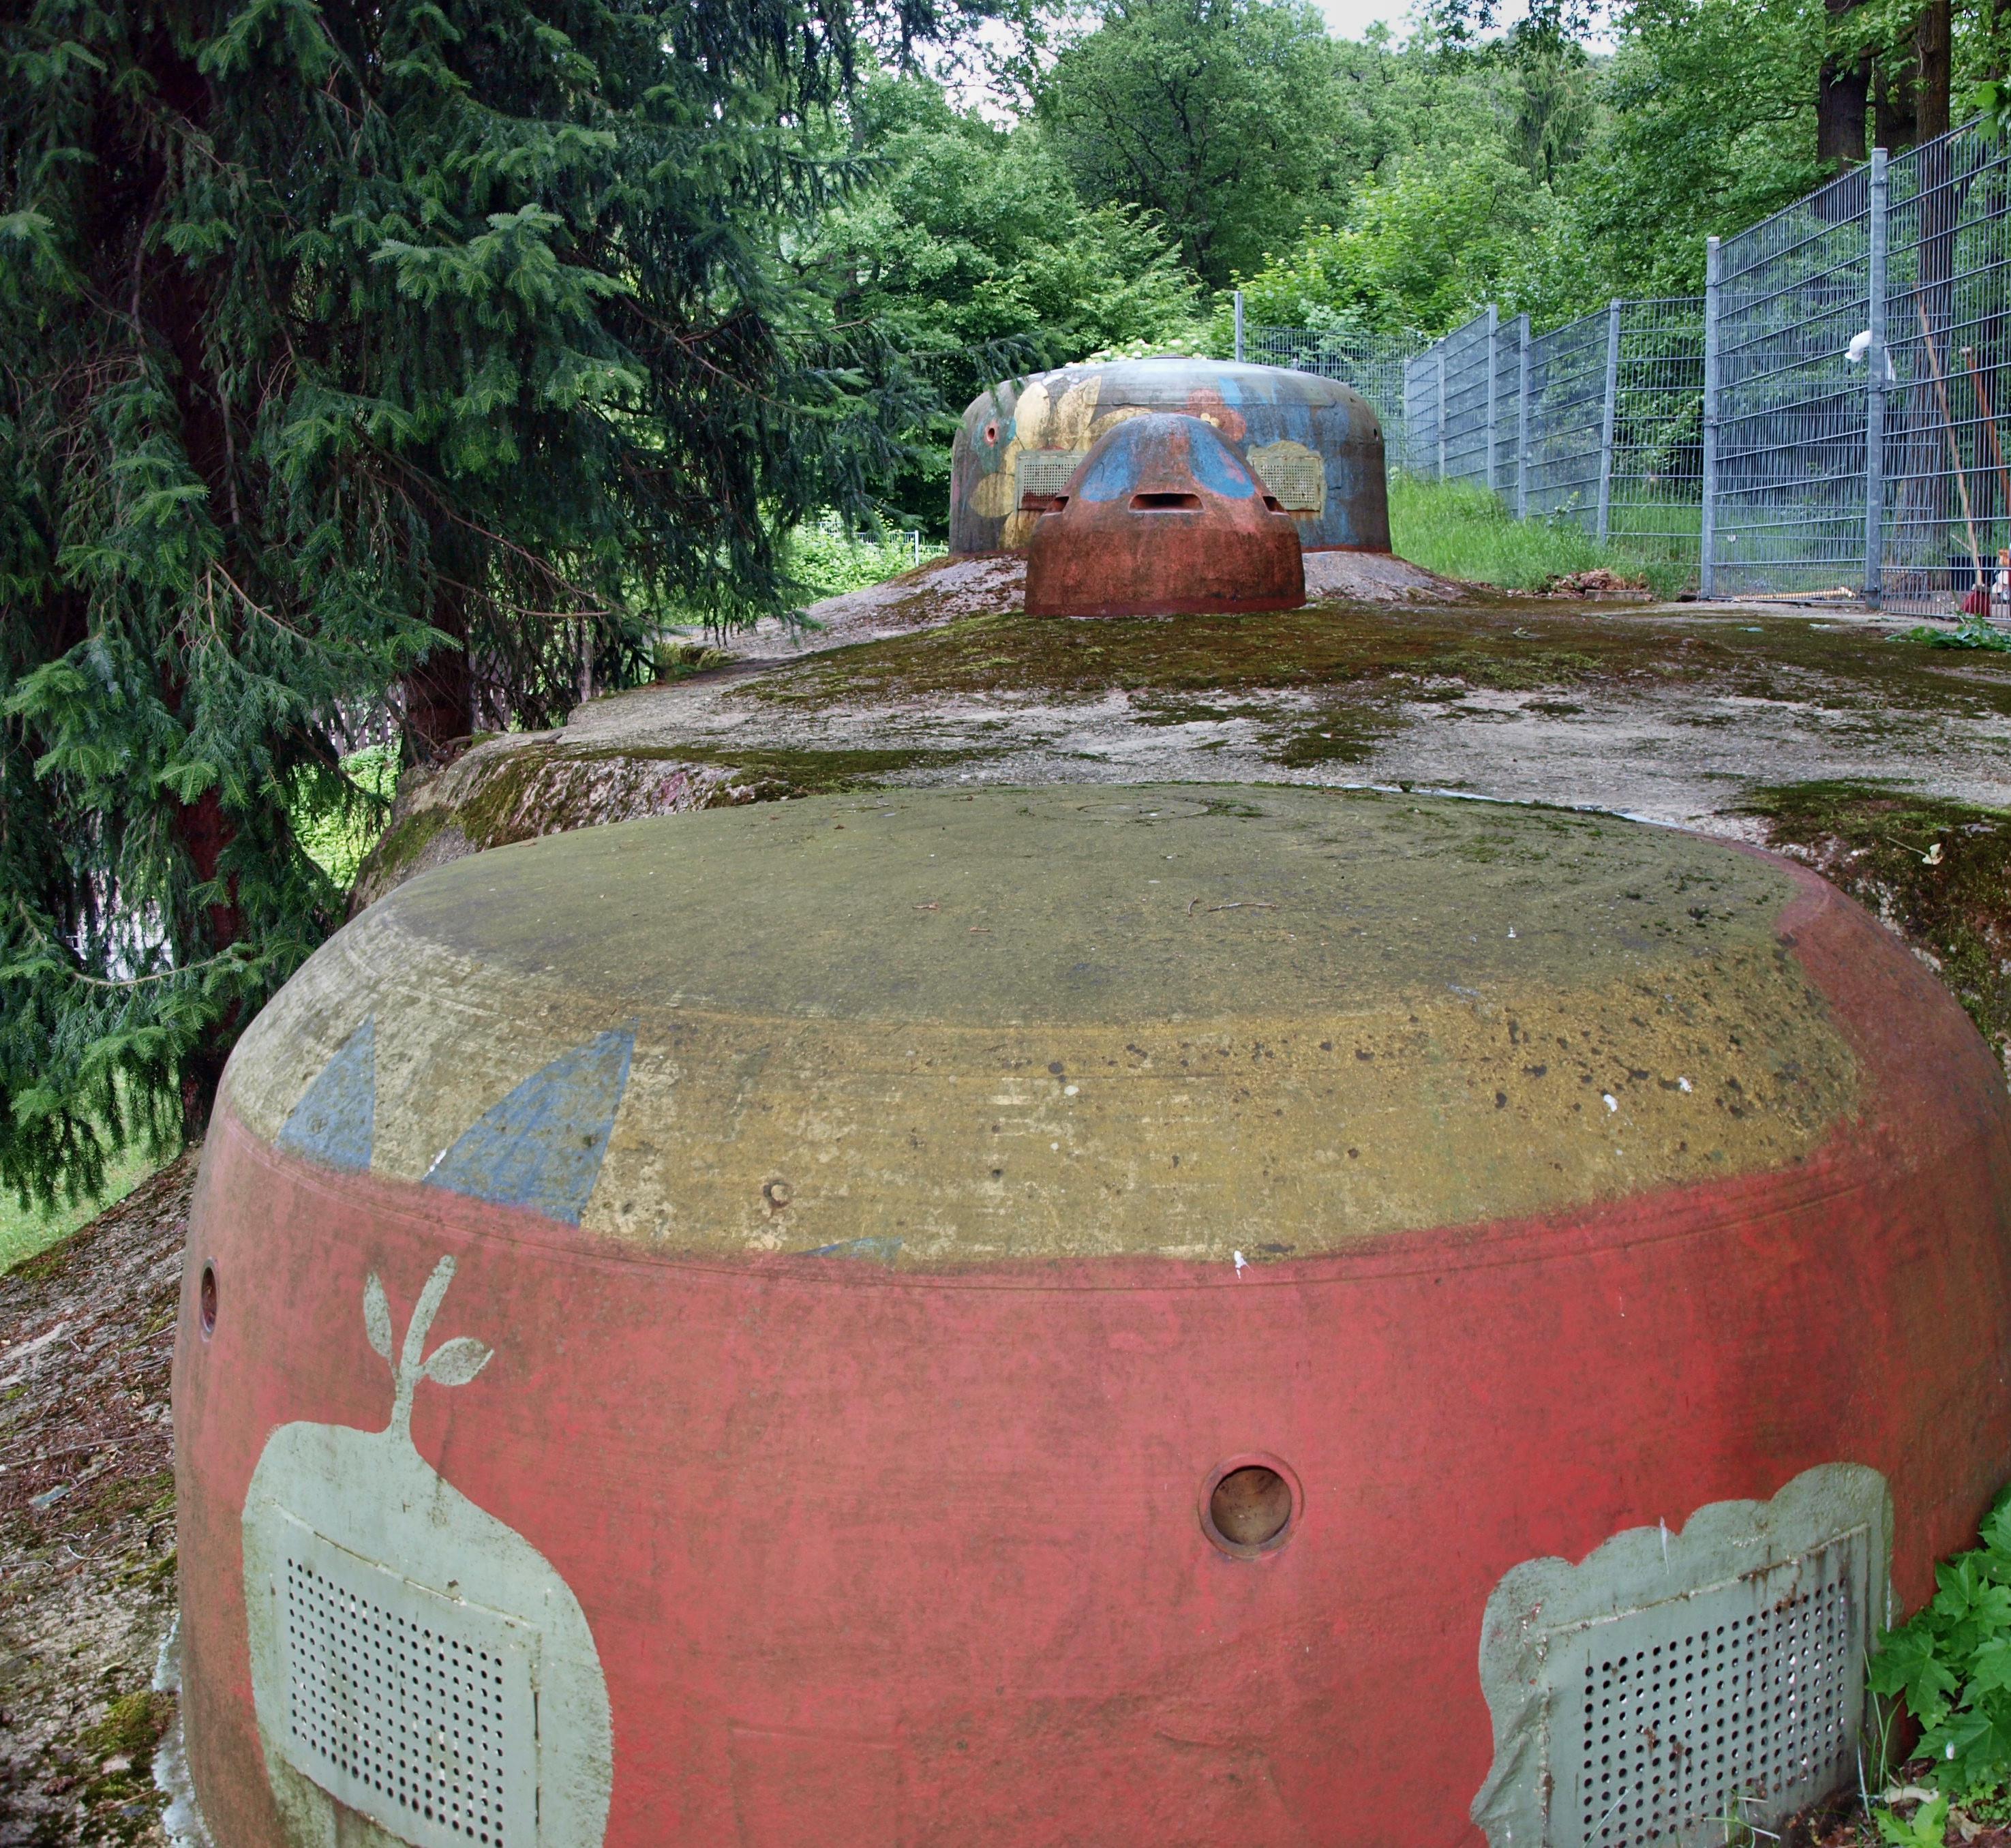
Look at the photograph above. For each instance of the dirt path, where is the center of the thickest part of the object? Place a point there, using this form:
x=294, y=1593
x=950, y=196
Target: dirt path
x=88, y=1523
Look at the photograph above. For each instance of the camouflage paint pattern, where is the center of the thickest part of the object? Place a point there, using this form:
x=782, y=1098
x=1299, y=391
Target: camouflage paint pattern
x=1304, y=429
x=986, y=1173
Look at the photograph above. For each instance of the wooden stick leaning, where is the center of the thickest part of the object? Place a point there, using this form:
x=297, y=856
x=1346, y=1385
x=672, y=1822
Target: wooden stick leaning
x=1948, y=425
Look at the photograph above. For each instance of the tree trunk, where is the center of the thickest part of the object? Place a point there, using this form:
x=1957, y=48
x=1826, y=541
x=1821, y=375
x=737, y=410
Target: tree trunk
x=440, y=691
x=204, y=832
x=1933, y=53
x=1896, y=124
x=174, y=306
x=1842, y=96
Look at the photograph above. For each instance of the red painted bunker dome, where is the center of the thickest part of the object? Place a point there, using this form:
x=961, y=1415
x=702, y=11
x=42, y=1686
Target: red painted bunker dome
x=1163, y=517
x=1168, y=1315
x=1316, y=443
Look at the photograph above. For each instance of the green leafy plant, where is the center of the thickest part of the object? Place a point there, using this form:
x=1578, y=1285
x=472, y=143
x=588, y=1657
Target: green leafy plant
x=1926, y=1828
x=1951, y=1664
x=1972, y=631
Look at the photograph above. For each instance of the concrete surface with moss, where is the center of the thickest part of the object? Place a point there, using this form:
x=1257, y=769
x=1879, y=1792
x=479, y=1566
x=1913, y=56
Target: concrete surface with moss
x=1675, y=712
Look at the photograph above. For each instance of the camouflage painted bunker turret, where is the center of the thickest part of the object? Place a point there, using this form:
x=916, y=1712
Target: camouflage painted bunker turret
x=1316, y=443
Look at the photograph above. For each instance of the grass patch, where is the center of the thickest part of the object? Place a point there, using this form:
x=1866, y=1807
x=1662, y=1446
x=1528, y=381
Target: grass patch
x=823, y=560
x=1939, y=871
x=338, y=837
x=1462, y=530
x=26, y=1231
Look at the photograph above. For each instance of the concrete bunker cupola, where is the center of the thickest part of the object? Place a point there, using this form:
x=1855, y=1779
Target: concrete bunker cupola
x=1316, y=443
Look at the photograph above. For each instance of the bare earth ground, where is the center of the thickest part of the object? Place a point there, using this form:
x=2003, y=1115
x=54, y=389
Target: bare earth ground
x=1878, y=761
x=87, y=1523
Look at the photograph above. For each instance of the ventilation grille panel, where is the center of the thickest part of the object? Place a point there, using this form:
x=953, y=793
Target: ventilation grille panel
x=1737, y=1703
x=1047, y=470
x=1298, y=482
x=412, y=1708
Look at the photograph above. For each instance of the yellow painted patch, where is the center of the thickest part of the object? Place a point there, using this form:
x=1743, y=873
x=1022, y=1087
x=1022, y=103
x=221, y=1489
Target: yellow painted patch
x=1069, y=429
x=997, y=494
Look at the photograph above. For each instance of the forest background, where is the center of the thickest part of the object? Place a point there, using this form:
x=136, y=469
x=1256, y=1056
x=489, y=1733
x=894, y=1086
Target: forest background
x=374, y=373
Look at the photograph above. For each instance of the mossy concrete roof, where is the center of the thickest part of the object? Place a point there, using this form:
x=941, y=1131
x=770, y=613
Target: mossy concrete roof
x=938, y=1028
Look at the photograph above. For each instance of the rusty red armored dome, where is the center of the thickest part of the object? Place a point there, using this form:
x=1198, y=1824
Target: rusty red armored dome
x=1162, y=518
x=1070, y=1318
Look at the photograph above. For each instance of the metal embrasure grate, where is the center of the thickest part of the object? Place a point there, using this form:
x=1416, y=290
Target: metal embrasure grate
x=1047, y=470
x=1736, y=1703
x=410, y=1708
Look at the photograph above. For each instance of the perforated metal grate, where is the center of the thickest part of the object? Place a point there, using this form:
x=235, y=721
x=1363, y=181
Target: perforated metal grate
x=1735, y=1703
x=1299, y=483
x=412, y=1708
x=1047, y=470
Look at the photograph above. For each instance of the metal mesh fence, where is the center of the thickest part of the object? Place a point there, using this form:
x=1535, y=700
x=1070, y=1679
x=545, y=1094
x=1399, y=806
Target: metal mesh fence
x=1831, y=418
x=1655, y=476
x=1789, y=513
x=1373, y=364
x=1567, y=418
x=1943, y=482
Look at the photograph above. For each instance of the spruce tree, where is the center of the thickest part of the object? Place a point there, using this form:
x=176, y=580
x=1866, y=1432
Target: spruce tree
x=361, y=362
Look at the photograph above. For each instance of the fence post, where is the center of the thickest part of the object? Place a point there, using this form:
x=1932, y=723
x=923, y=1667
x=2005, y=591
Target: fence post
x=1239, y=326
x=1522, y=418
x=1707, y=526
x=1441, y=419
x=1493, y=335
x=1875, y=389
x=1607, y=420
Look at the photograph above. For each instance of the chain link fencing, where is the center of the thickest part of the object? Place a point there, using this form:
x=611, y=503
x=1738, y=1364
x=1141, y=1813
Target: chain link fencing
x=1828, y=419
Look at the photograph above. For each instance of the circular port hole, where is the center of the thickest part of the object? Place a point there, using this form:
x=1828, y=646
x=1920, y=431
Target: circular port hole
x=1248, y=1504
x=206, y=1301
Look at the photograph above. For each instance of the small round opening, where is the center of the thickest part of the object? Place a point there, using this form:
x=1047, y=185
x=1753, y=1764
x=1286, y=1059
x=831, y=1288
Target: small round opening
x=206, y=1301
x=1251, y=1506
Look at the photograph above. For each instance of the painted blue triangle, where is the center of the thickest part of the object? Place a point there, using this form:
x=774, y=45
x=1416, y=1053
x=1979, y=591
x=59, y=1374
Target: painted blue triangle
x=335, y=1120
x=542, y=1146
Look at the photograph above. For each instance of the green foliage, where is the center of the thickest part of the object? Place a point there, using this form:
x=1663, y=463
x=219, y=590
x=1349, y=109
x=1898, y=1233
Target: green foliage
x=337, y=838
x=826, y=561
x=1442, y=231
x=1926, y=1828
x=1712, y=126
x=1229, y=119
x=972, y=253
x=1972, y=632
x=1950, y=1664
x=339, y=338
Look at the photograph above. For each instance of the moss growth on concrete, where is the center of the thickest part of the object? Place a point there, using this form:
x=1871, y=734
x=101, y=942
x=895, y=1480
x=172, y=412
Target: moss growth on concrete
x=1519, y=648
x=1938, y=872
x=403, y=842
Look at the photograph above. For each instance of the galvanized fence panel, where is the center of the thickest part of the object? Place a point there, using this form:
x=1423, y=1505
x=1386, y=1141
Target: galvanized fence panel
x=1422, y=451
x=1655, y=469
x=1791, y=457
x=1373, y=363
x=1469, y=399
x=1946, y=488
x=1567, y=416
x=1830, y=419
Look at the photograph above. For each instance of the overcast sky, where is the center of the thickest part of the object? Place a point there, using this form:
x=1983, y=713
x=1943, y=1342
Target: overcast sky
x=1350, y=18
